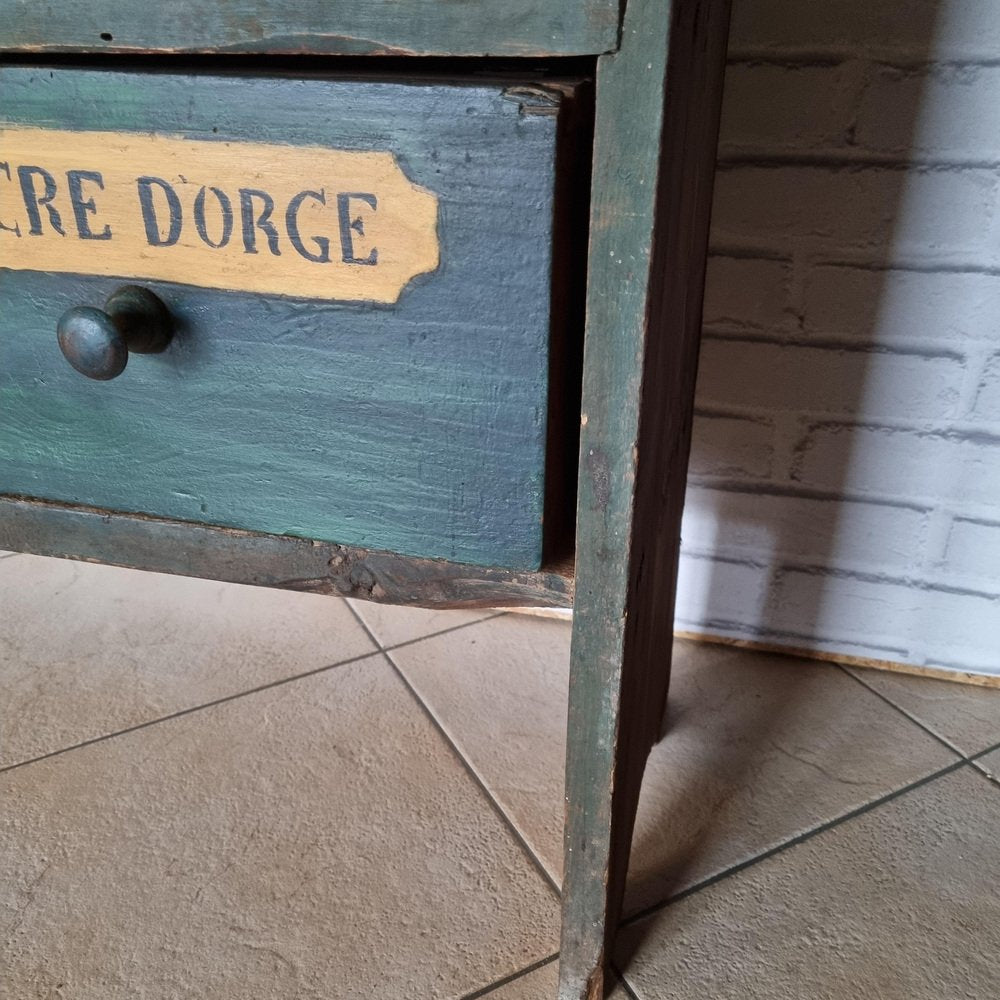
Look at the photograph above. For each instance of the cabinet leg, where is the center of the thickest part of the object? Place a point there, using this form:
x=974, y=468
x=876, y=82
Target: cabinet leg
x=656, y=126
x=614, y=719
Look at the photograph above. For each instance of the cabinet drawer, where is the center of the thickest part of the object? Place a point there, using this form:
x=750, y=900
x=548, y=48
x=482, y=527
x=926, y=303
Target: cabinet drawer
x=361, y=280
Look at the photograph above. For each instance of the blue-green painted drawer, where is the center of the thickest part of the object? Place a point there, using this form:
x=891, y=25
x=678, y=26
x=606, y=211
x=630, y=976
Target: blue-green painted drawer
x=418, y=427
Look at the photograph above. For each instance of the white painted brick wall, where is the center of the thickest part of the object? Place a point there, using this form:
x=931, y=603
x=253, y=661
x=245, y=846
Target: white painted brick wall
x=845, y=474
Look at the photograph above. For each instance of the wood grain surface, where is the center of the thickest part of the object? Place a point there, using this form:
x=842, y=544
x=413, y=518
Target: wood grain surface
x=417, y=428
x=346, y=27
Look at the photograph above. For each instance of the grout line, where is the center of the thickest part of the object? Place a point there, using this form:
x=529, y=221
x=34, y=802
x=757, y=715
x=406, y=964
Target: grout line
x=995, y=778
x=793, y=842
x=983, y=773
x=902, y=711
x=466, y=763
x=625, y=984
x=983, y=753
x=190, y=710
x=512, y=978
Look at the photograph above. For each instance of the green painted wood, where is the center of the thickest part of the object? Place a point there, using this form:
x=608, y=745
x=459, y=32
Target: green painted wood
x=656, y=131
x=418, y=428
x=269, y=560
x=346, y=27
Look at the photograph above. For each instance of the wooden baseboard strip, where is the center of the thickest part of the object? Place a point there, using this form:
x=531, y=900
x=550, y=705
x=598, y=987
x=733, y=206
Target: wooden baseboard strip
x=932, y=672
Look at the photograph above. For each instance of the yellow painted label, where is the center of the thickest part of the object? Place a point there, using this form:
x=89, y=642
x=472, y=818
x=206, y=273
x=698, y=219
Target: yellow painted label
x=302, y=221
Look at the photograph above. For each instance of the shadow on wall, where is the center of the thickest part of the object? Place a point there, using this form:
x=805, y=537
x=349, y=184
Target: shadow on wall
x=847, y=431
x=845, y=473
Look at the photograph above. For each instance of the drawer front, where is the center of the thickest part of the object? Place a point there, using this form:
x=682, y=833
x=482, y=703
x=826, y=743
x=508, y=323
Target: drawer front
x=347, y=27
x=404, y=412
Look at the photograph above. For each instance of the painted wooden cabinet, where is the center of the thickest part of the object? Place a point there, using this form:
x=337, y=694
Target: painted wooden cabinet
x=283, y=304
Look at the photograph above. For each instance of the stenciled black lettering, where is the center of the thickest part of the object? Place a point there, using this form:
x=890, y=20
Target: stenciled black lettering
x=226, y=211
x=292, y=225
x=83, y=206
x=349, y=226
x=32, y=203
x=154, y=234
x=252, y=220
x=15, y=229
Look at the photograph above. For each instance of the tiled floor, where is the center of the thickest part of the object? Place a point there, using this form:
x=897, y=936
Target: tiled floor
x=216, y=791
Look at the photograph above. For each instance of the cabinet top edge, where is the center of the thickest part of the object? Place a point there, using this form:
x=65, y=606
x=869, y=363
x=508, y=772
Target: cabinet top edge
x=459, y=28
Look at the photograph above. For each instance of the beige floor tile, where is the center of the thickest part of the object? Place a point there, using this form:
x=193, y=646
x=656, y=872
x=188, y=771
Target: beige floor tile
x=761, y=747
x=540, y=985
x=900, y=903
x=87, y=650
x=499, y=689
x=314, y=841
x=966, y=715
x=392, y=625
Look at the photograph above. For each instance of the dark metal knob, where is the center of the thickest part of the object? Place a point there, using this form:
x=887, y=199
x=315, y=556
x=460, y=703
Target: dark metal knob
x=97, y=344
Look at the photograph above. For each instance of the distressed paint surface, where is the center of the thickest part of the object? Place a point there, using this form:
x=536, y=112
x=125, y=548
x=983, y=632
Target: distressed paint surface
x=349, y=27
x=269, y=560
x=657, y=119
x=417, y=428
x=304, y=221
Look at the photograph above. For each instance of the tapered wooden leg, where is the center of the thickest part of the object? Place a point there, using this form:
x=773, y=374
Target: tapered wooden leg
x=604, y=778
x=654, y=152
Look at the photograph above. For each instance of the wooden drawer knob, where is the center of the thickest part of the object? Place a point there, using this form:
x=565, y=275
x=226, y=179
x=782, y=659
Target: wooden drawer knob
x=97, y=344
